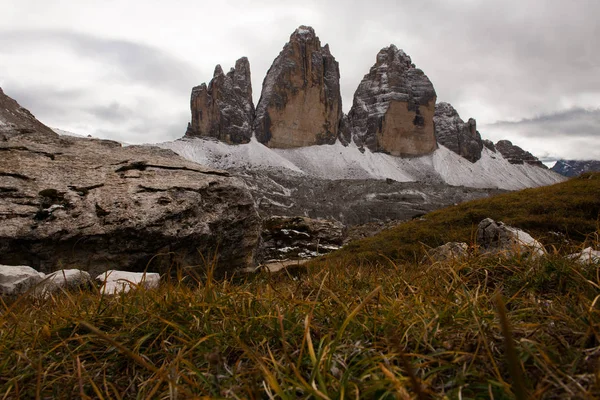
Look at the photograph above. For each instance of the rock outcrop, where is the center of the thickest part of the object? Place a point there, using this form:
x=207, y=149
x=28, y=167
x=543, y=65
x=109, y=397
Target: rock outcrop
x=299, y=237
x=571, y=168
x=498, y=238
x=516, y=155
x=455, y=134
x=489, y=145
x=224, y=109
x=300, y=103
x=94, y=205
x=394, y=106
x=13, y=116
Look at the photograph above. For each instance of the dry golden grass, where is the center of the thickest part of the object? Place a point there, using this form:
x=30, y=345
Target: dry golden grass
x=344, y=327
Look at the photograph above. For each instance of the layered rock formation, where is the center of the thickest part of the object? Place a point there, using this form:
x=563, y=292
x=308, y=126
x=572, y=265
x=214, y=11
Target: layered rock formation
x=300, y=103
x=13, y=116
x=572, y=168
x=459, y=136
x=299, y=237
x=94, y=205
x=224, y=109
x=394, y=106
x=516, y=155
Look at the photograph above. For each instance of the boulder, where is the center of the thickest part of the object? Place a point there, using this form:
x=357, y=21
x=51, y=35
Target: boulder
x=498, y=238
x=299, y=237
x=224, y=109
x=394, y=106
x=516, y=155
x=18, y=279
x=300, y=102
x=115, y=282
x=64, y=279
x=95, y=205
x=455, y=134
x=448, y=252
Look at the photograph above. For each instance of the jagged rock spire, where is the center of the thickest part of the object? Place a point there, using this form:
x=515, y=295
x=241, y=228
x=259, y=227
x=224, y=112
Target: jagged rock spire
x=224, y=109
x=300, y=103
x=393, y=107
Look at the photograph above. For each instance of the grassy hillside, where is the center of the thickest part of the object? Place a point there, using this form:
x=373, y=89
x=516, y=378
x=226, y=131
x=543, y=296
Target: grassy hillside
x=560, y=215
x=347, y=326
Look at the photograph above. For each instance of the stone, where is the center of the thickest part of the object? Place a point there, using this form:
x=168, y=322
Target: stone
x=18, y=279
x=498, y=238
x=393, y=107
x=116, y=282
x=455, y=134
x=64, y=279
x=300, y=103
x=516, y=155
x=572, y=168
x=94, y=205
x=285, y=238
x=224, y=109
x=586, y=256
x=448, y=252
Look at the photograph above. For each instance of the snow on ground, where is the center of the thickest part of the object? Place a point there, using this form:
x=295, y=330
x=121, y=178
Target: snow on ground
x=62, y=132
x=339, y=162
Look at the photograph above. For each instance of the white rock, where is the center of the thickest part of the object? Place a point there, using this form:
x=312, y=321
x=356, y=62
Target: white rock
x=17, y=279
x=114, y=282
x=64, y=279
x=586, y=256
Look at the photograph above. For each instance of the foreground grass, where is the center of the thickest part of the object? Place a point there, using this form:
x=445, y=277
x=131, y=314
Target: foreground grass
x=353, y=331
x=370, y=321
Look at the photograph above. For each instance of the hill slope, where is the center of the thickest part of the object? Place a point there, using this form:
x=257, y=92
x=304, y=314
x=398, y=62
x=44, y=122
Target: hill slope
x=340, y=162
x=568, y=210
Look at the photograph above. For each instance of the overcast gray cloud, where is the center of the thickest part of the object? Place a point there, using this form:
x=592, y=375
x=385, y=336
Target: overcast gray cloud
x=576, y=122
x=526, y=69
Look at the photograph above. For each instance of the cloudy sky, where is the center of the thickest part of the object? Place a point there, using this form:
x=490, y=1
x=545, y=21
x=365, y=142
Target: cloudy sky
x=527, y=70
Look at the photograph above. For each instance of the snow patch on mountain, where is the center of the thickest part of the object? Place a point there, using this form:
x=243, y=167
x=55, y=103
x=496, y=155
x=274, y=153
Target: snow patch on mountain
x=348, y=162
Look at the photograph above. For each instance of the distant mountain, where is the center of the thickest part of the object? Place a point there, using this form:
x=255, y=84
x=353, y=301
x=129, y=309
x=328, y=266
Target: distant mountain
x=395, y=155
x=572, y=168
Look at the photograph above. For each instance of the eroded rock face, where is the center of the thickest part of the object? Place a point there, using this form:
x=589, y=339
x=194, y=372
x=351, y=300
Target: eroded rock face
x=94, y=205
x=300, y=103
x=224, y=109
x=516, y=155
x=287, y=238
x=394, y=106
x=455, y=134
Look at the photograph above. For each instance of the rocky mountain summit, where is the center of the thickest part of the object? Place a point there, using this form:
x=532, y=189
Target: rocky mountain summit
x=516, y=155
x=394, y=110
x=459, y=136
x=394, y=106
x=68, y=202
x=224, y=109
x=300, y=103
x=572, y=168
